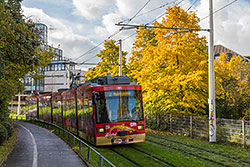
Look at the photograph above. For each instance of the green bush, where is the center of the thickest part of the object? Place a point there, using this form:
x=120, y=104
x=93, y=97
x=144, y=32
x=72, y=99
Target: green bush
x=9, y=127
x=3, y=134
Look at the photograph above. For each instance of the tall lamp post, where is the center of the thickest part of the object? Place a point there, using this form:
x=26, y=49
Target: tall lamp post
x=120, y=58
x=18, y=104
x=211, y=100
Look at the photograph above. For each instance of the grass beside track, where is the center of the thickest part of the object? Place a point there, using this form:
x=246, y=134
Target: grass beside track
x=231, y=151
x=175, y=150
x=114, y=158
x=172, y=156
x=7, y=146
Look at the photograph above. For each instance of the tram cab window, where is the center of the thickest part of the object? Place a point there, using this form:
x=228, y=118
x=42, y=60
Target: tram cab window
x=118, y=106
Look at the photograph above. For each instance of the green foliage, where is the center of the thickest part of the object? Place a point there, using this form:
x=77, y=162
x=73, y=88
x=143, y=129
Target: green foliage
x=6, y=147
x=9, y=126
x=3, y=134
x=20, y=52
x=3, y=106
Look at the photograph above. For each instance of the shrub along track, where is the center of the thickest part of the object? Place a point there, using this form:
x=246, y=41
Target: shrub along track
x=200, y=149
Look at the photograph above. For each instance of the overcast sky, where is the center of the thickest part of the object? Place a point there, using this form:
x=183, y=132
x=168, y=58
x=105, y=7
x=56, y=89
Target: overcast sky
x=79, y=25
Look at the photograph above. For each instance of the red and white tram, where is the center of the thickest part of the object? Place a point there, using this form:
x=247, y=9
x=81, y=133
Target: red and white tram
x=104, y=111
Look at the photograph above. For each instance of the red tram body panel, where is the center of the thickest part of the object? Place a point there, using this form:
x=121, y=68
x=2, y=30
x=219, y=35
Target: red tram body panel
x=57, y=109
x=119, y=115
x=85, y=113
x=104, y=111
x=32, y=106
x=45, y=107
x=69, y=110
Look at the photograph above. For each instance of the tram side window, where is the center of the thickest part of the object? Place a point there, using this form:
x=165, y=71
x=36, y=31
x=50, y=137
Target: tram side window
x=49, y=67
x=89, y=104
x=101, y=114
x=63, y=67
x=64, y=105
x=52, y=67
x=59, y=67
x=72, y=104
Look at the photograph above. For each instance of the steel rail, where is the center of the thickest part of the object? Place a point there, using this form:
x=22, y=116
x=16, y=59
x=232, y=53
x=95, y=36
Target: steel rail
x=128, y=159
x=153, y=157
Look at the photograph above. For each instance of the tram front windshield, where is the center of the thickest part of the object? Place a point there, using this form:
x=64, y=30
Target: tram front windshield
x=118, y=106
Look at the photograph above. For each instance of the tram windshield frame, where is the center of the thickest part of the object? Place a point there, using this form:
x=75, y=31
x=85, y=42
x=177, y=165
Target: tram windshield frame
x=118, y=106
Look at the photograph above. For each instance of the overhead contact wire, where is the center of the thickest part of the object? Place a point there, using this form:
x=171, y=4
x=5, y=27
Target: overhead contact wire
x=112, y=34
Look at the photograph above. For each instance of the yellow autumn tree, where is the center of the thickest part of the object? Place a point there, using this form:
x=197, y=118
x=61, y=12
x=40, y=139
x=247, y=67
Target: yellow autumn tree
x=144, y=38
x=173, y=65
x=109, y=61
x=232, y=87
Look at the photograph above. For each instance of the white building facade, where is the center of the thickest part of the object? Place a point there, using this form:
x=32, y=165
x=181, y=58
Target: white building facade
x=58, y=74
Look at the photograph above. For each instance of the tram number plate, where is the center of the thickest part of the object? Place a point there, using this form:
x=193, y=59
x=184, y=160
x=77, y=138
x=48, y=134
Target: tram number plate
x=118, y=141
x=121, y=141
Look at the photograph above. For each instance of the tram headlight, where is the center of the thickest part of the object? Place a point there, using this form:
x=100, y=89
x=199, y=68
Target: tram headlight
x=140, y=127
x=100, y=130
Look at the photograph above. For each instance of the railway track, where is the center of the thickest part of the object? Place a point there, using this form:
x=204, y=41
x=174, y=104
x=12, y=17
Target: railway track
x=188, y=153
x=201, y=149
x=120, y=151
x=128, y=159
x=143, y=153
x=152, y=156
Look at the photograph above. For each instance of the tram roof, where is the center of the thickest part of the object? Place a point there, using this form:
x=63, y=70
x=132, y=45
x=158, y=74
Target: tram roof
x=108, y=80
